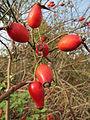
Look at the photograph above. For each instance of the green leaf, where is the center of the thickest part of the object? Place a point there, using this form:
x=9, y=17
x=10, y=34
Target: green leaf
x=20, y=109
x=36, y=116
x=44, y=110
x=3, y=85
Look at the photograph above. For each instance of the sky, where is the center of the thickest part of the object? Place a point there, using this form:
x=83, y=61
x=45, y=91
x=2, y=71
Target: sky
x=81, y=6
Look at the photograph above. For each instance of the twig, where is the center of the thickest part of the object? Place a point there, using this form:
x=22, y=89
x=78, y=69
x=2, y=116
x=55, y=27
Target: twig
x=13, y=89
x=74, y=118
x=8, y=83
x=86, y=47
x=4, y=14
x=44, y=7
x=3, y=27
x=11, y=10
x=7, y=49
x=31, y=45
x=46, y=2
x=62, y=34
x=53, y=49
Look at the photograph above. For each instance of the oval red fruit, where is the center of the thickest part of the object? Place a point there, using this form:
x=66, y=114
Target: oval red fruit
x=81, y=18
x=36, y=92
x=42, y=49
x=1, y=112
x=69, y=42
x=51, y=4
x=18, y=32
x=44, y=74
x=43, y=38
x=23, y=117
x=50, y=117
x=62, y=4
x=35, y=16
x=77, y=81
x=88, y=24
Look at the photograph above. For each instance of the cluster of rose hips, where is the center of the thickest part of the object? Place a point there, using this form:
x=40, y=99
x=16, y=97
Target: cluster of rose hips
x=44, y=74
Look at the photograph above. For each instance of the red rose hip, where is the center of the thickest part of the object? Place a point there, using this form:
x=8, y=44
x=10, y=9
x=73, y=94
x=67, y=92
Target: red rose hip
x=35, y=16
x=18, y=32
x=36, y=92
x=23, y=118
x=44, y=75
x=51, y=4
x=62, y=4
x=42, y=49
x=1, y=111
x=42, y=39
x=81, y=18
x=69, y=42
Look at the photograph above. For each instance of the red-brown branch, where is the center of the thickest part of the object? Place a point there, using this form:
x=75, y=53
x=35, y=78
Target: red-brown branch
x=13, y=89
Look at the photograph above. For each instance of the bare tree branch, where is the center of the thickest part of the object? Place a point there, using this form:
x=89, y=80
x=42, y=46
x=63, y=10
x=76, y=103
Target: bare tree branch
x=13, y=89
